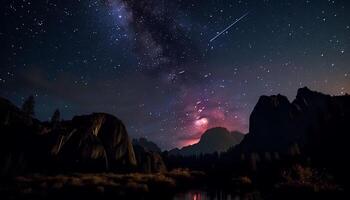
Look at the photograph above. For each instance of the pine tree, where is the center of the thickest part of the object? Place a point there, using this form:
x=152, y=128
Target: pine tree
x=28, y=106
x=56, y=117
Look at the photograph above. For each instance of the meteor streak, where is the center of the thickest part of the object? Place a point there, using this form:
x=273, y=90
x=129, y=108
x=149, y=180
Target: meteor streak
x=237, y=20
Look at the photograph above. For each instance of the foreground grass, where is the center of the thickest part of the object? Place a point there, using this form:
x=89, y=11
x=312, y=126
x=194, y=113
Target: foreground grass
x=101, y=185
x=297, y=182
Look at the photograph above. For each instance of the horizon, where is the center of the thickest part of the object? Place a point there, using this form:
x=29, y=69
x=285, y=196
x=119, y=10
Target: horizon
x=196, y=139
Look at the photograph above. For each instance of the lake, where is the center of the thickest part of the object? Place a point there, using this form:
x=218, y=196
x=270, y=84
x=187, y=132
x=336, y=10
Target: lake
x=214, y=195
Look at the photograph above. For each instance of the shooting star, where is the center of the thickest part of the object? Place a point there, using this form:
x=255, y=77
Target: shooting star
x=236, y=21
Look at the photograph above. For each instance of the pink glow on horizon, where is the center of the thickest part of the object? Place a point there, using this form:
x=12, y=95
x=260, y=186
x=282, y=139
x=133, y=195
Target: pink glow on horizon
x=190, y=142
x=201, y=114
x=207, y=119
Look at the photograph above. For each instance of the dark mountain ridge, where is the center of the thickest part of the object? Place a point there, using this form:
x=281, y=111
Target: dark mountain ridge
x=213, y=140
x=148, y=156
x=95, y=142
x=148, y=145
x=314, y=125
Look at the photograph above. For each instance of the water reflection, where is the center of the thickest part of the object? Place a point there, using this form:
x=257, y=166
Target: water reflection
x=204, y=195
x=215, y=195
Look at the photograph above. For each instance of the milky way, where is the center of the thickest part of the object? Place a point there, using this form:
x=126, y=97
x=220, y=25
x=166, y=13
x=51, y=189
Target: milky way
x=150, y=62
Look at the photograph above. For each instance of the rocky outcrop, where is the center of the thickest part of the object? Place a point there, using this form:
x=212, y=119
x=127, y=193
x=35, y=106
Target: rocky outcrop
x=326, y=121
x=96, y=142
x=22, y=143
x=148, y=161
x=271, y=128
x=213, y=140
x=148, y=156
x=148, y=145
x=314, y=124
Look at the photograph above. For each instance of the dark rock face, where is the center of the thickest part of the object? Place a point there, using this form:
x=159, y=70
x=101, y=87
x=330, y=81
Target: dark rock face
x=315, y=123
x=148, y=156
x=326, y=121
x=148, y=161
x=93, y=142
x=98, y=140
x=213, y=140
x=273, y=125
x=21, y=141
x=148, y=145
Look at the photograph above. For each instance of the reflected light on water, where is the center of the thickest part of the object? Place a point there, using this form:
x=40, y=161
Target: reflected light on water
x=203, y=195
x=196, y=196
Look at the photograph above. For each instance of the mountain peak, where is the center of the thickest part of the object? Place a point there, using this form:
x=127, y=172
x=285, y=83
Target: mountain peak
x=275, y=123
x=148, y=145
x=305, y=92
x=266, y=104
x=213, y=133
x=217, y=139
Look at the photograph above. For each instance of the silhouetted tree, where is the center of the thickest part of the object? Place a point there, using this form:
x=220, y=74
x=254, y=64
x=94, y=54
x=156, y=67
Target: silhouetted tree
x=56, y=117
x=28, y=106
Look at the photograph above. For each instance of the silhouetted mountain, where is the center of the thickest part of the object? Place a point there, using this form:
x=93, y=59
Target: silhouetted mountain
x=99, y=140
x=148, y=156
x=213, y=140
x=92, y=142
x=148, y=145
x=148, y=161
x=314, y=124
x=272, y=127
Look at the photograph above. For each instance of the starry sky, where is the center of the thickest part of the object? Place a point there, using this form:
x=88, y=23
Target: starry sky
x=151, y=62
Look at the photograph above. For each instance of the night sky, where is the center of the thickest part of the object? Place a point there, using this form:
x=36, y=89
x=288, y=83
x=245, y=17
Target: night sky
x=151, y=62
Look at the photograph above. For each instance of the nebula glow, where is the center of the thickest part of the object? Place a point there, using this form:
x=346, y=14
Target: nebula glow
x=201, y=124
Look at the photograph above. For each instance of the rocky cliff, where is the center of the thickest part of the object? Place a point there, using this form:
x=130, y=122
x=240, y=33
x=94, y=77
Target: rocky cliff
x=98, y=140
x=86, y=143
x=148, y=156
x=314, y=124
x=213, y=140
x=148, y=145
